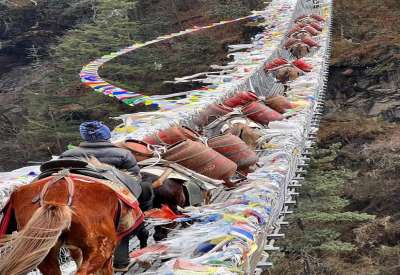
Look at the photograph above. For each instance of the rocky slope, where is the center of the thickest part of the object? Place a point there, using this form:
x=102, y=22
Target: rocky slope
x=348, y=219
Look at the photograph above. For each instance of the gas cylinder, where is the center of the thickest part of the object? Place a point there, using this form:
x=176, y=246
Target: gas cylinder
x=259, y=112
x=302, y=65
x=311, y=30
x=234, y=149
x=211, y=113
x=275, y=63
x=240, y=98
x=279, y=103
x=316, y=26
x=310, y=42
x=171, y=135
x=290, y=41
x=201, y=159
x=317, y=17
x=293, y=30
x=300, y=17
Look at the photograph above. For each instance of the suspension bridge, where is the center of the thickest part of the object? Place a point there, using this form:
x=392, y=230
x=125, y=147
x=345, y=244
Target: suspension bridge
x=242, y=244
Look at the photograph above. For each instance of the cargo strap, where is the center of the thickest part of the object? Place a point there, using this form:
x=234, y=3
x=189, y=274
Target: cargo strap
x=63, y=174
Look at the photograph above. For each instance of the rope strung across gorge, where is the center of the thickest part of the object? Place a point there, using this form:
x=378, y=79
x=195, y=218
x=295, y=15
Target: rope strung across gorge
x=246, y=65
x=90, y=77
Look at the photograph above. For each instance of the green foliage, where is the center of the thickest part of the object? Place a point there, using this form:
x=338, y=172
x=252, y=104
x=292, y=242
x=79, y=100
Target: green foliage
x=387, y=253
x=229, y=9
x=327, y=155
x=336, y=247
x=322, y=218
x=117, y=24
x=173, y=15
x=332, y=217
x=111, y=30
x=314, y=237
x=382, y=68
x=38, y=25
x=138, y=70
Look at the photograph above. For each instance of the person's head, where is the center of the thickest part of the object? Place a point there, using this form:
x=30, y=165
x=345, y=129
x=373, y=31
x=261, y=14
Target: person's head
x=94, y=131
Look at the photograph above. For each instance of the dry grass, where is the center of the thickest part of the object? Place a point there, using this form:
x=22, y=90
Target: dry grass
x=364, y=29
x=376, y=233
x=389, y=142
x=348, y=129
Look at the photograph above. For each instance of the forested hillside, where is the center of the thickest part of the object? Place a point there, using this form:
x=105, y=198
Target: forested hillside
x=46, y=43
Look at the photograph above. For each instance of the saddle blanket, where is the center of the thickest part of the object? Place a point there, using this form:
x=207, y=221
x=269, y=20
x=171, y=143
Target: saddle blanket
x=131, y=216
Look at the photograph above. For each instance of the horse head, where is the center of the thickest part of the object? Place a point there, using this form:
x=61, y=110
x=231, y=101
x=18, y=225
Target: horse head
x=287, y=74
x=246, y=133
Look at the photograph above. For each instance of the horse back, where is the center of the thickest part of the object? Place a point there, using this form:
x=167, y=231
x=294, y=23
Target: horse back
x=93, y=204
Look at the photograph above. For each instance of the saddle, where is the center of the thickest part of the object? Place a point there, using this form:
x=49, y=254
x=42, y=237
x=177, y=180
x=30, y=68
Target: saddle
x=140, y=149
x=195, y=184
x=82, y=167
x=221, y=125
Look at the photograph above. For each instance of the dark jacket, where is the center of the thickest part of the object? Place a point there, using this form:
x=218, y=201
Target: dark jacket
x=107, y=153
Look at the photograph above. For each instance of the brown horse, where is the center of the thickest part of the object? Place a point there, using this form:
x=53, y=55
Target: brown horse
x=299, y=50
x=166, y=191
x=249, y=135
x=169, y=191
x=73, y=210
x=287, y=73
x=302, y=34
x=174, y=193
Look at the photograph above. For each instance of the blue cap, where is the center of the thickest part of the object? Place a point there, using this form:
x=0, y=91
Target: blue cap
x=94, y=131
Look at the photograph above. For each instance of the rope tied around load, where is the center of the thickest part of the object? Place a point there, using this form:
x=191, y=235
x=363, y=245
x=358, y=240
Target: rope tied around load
x=63, y=174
